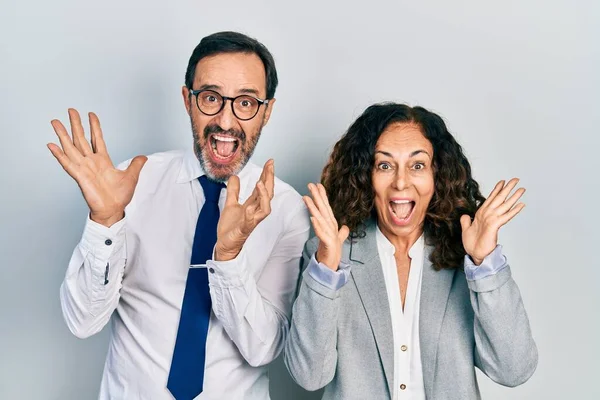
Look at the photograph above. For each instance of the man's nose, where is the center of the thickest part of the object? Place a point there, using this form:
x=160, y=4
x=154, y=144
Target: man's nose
x=225, y=118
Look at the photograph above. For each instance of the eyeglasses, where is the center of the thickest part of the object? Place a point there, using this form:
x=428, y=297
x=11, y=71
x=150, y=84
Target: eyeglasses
x=244, y=107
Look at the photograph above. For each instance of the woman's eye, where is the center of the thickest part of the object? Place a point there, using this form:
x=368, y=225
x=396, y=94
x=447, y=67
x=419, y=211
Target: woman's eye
x=384, y=166
x=418, y=166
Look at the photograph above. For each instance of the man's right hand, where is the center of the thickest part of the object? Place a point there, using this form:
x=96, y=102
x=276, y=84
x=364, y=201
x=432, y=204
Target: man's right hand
x=106, y=189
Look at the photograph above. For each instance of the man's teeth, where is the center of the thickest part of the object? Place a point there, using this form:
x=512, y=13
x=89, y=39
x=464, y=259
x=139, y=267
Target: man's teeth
x=224, y=138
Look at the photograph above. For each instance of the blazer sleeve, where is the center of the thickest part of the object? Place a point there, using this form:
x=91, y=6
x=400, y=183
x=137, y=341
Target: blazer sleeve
x=311, y=348
x=504, y=347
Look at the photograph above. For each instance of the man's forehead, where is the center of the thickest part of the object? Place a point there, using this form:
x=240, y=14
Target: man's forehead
x=237, y=72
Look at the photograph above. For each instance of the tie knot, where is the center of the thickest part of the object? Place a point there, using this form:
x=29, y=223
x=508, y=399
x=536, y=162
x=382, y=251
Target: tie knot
x=212, y=189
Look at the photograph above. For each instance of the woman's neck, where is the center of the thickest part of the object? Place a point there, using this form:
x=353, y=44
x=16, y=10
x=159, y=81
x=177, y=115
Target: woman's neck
x=402, y=243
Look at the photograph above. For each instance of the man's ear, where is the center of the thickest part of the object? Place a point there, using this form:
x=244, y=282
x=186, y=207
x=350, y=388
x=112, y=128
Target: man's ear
x=268, y=111
x=185, y=92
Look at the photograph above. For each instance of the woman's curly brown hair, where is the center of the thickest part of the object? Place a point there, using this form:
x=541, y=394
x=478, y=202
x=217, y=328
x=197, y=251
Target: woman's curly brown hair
x=347, y=179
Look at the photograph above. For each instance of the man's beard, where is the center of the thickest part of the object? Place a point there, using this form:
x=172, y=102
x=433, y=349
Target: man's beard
x=218, y=172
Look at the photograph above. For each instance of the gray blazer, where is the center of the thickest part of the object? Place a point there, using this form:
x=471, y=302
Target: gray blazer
x=342, y=340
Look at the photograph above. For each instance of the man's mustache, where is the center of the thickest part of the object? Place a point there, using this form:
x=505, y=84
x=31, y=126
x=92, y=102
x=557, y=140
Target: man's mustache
x=215, y=129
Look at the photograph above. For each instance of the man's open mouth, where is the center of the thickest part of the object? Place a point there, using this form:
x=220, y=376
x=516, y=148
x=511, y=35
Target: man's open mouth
x=224, y=147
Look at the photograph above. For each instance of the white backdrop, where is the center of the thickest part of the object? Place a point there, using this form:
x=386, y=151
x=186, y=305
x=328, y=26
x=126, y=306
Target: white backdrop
x=516, y=81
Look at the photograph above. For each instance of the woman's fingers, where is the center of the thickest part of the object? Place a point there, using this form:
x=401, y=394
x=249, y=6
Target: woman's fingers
x=323, y=193
x=492, y=195
x=504, y=218
x=503, y=194
x=317, y=226
x=321, y=204
x=510, y=202
x=312, y=208
x=343, y=233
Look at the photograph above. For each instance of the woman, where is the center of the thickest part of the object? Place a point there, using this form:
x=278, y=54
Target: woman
x=412, y=292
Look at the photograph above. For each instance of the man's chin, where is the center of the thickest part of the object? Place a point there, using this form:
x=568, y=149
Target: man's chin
x=221, y=171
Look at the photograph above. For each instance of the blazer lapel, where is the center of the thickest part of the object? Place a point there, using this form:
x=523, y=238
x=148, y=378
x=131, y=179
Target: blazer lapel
x=368, y=277
x=435, y=290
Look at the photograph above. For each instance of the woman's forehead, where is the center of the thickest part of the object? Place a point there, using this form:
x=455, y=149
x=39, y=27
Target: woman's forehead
x=400, y=138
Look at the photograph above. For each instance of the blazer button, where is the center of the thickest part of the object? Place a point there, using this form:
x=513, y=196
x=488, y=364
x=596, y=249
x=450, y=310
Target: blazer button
x=403, y=386
x=403, y=347
x=211, y=270
x=108, y=242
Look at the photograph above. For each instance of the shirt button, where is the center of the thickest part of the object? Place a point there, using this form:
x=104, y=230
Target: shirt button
x=211, y=270
x=403, y=347
x=403, y=386
x=108, y=242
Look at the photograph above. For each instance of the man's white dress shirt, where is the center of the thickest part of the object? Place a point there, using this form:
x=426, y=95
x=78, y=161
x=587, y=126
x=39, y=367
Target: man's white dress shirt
x=134, y=275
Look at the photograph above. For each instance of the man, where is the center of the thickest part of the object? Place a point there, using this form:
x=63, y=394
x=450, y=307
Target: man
x=197, y=283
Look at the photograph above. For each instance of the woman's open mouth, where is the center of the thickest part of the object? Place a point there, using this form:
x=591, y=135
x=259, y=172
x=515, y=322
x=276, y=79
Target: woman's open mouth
x=401, y=210
x=224, y=148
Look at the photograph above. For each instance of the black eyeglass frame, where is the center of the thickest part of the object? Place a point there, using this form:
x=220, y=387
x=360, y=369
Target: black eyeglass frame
x=225, y=98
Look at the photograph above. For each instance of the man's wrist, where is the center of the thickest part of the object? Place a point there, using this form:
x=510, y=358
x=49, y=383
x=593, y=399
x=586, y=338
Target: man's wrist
x=108, y=221
x=224, y=253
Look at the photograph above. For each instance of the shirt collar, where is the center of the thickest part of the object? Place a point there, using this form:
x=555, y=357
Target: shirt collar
x=191, y=169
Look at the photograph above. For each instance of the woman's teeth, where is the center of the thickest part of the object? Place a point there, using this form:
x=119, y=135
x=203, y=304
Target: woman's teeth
x=402, y=208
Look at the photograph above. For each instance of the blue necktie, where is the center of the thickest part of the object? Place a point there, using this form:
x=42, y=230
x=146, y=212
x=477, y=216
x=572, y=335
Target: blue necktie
x=186, y=377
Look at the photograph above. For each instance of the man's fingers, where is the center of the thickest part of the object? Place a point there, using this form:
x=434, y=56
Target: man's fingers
x=263, y=172
x=265, y=199
x=97, y=136
x=233, y=190
x=65, y=141
x=252, y=200
x=78, y=133
x=62, y=159
x=270, y=179
x=135, y=167
x=267, y=176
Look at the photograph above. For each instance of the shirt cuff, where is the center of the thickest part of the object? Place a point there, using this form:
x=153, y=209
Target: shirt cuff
x=102, y=240
x=231, y=273
x=491, y=265
x=326, y=276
